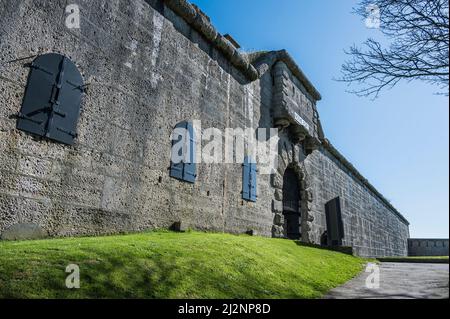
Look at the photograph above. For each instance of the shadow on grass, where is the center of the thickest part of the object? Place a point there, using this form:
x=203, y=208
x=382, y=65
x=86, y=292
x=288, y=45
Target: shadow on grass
x=160, y=277
x=170, y=268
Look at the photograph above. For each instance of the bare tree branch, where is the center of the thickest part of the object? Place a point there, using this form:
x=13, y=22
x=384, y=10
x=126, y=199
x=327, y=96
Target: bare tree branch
x=418, y=31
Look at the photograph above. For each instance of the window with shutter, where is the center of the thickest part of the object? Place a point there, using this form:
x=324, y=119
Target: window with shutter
x=183, y=166
x=249, y=180
x=51, y=105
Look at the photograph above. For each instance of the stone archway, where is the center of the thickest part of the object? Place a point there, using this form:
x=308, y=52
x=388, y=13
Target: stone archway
x=290, y=161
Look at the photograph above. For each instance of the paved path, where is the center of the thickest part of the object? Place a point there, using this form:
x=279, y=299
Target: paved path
x=399, y=281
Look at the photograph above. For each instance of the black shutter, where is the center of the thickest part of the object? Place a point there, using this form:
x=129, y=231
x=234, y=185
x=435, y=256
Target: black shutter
x=335, y=227
x=51, y=105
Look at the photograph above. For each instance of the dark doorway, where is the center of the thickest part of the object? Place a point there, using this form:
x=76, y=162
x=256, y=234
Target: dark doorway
x=291, y=199
x=335, y=226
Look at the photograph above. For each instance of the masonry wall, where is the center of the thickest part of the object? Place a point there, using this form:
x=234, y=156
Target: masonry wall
x=370, y=227
x=146, y=70
x=145, y=73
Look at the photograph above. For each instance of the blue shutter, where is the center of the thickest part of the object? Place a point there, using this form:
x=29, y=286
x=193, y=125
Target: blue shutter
x=253, y=182
x=176, y=169
x=246, y=179
x=186, y=170
x=249, y=180
x=190, y=167
x=51, y=105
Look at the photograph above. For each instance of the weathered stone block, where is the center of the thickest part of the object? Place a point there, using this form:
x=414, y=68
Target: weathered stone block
x=279, y=194
x=278, y=219
x=277, y=231
x=277, y=206
x=277, y=181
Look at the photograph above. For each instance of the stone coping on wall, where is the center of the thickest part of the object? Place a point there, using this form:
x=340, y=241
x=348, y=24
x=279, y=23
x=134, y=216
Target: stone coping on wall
x=330, y=148
x=202, y=24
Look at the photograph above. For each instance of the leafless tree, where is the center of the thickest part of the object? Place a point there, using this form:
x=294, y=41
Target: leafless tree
x=418, y=34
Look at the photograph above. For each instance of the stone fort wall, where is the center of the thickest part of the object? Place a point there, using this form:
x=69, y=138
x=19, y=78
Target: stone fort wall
x=147, y=66
x=427, y=247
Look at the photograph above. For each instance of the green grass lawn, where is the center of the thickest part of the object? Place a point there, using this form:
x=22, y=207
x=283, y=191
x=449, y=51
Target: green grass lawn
x=172, y=265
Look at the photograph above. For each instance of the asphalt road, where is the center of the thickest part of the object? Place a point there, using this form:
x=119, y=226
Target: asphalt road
x=398, y=281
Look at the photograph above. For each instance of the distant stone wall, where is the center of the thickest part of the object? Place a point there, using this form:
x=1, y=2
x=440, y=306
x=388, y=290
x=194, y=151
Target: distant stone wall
x=427, y=247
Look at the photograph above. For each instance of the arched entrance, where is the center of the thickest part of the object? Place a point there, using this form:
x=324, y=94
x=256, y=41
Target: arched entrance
x=291, y=204
x=293, y=195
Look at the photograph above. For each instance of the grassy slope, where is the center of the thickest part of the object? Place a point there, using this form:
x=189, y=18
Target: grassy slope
x=172, y=265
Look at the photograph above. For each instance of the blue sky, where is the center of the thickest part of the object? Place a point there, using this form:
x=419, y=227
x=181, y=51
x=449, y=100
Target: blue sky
x=399, y=141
